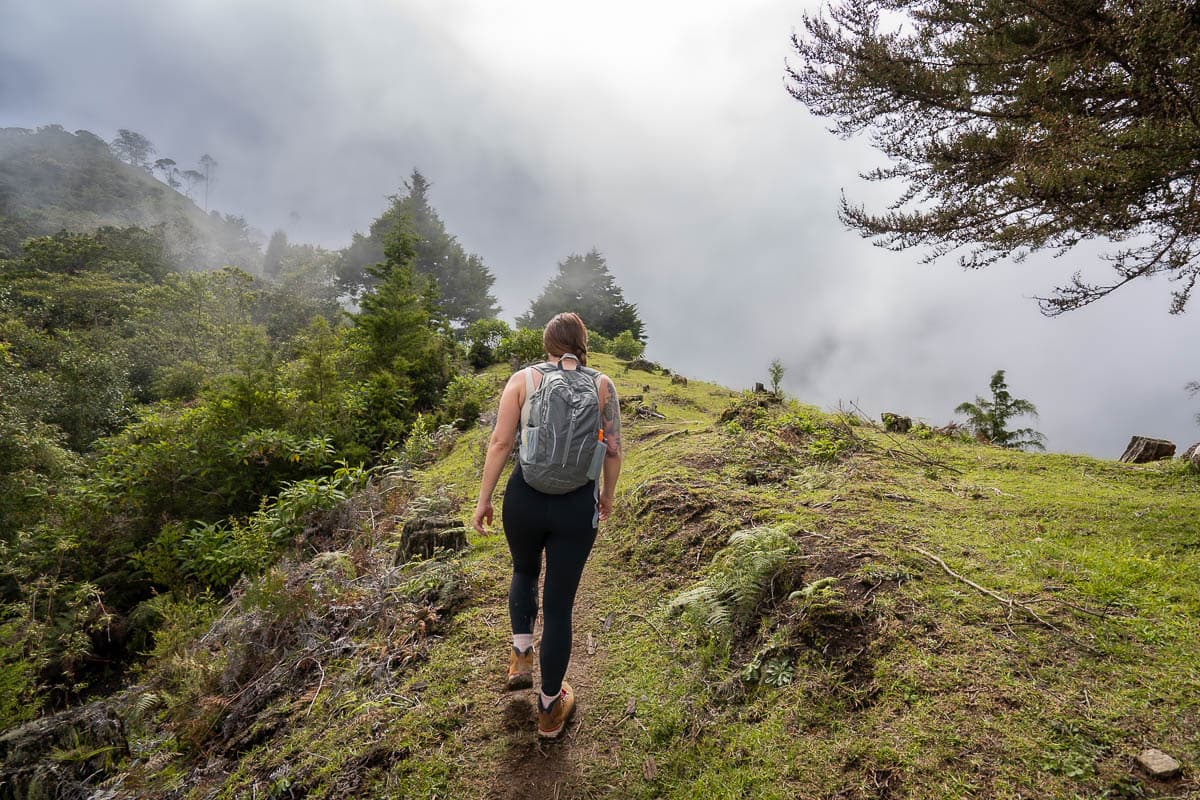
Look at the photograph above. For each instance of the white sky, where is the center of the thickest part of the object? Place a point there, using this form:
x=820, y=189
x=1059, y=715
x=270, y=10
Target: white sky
x=659, y=133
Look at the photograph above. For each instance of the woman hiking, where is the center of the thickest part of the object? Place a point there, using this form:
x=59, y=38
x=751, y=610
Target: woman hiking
x=566, y=420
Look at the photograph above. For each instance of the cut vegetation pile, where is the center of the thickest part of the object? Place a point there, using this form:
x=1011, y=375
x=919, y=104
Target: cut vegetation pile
x=785, y=603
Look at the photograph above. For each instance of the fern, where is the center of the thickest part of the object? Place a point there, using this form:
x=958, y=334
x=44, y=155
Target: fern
x=736, y=580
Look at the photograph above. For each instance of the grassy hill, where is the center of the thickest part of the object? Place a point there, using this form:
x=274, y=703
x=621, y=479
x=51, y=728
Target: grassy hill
x=51, y=180
x=785, y=604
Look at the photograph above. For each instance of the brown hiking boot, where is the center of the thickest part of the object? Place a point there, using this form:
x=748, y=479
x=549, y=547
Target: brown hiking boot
x=520, y=668
x=552, y=720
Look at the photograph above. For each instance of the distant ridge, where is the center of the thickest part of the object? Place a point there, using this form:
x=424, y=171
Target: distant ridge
x=53, y=180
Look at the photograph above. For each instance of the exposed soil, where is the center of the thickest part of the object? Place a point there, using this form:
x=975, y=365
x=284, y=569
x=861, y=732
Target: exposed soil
x=533, y=767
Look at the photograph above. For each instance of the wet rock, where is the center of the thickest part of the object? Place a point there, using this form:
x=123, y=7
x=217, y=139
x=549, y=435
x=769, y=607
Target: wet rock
x=896, y=423
x=1143, y=449
x=643, y=365
x=1158, y=764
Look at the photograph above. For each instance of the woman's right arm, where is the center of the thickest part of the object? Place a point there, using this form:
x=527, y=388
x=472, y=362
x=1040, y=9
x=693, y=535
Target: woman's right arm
x=499, y=447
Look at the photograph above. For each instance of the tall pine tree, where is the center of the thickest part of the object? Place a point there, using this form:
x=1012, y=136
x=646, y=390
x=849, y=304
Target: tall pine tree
x=584, y=285
x=463, y=281
x=406, y=362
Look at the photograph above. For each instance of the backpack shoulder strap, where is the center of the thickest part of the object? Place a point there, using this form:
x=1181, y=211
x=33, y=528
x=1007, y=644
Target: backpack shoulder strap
x=528, y=396
x=595, y=375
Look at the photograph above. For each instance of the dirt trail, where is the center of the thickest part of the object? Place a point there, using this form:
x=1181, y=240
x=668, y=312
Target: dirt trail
x=532, y=767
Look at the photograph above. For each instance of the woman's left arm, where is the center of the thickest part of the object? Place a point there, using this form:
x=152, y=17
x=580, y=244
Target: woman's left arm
x=501, y=444
x=610, y=421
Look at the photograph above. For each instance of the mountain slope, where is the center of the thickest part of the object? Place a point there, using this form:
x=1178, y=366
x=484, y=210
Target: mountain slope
x=52, y=180
x=846, y=657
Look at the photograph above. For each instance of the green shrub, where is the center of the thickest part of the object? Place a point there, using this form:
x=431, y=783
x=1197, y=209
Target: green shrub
x=214, y=555
x=625, y=346
x=426, y=440
x=524, y=345
x=465, y=398
x=827, y=446
x=181, y=381
x=217, y=554
x=18, y=680
x=483, y=337
x=599, y=343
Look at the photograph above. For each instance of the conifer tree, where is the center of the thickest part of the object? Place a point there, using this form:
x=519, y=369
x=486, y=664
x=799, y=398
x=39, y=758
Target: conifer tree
x=1017, y=126
x=584, y=285
x=273, y=258
x=988, y=419
x=406, y=360
x=463, y=281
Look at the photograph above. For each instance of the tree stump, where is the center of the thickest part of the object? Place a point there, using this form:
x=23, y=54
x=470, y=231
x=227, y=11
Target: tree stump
x=422, y=536
x=1143, y=449
x=1192, y=454
x=643, y=365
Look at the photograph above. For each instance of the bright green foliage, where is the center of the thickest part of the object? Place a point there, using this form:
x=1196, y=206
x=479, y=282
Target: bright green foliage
x=599, y=343
x=214, y=555
x=463, y=281
x=989, y=418
x=325, y=394
x=625, y=346
x=1017, y=126
x=523, y=345
x=584, y=285
x=466, y=398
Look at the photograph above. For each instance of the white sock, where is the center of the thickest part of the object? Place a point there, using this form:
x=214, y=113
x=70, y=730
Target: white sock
x=522, y=641
x=547, y=699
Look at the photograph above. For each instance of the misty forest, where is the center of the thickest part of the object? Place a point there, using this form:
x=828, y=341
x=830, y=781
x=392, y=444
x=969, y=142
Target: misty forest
x=238, y=458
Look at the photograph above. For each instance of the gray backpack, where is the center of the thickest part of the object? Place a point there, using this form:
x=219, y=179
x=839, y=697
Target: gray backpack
x=560, y=429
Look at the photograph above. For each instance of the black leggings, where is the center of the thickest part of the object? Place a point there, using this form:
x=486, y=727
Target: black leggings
x=564, y=525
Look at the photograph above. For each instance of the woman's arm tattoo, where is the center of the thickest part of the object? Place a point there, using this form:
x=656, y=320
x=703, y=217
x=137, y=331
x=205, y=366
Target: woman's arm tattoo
x=610, y=418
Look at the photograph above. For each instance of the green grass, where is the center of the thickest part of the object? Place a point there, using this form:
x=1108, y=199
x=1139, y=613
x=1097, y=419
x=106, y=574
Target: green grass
x=905, y=681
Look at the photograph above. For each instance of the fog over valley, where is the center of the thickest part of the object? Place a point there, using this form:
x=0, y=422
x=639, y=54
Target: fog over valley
x=660, y=134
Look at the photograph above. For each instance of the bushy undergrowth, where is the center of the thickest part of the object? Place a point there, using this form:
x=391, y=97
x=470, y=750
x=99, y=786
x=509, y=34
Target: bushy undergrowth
x=233, y=426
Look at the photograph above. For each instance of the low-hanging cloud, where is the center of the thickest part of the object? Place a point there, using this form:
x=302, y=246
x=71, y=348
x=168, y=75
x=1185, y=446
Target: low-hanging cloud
x=660, y=134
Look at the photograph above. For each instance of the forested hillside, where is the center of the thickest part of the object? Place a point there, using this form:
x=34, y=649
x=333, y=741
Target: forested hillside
x=52, y=180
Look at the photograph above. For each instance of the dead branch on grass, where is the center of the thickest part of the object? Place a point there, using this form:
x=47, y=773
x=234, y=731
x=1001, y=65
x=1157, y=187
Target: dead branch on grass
x=1011, y=604
x=672, y=435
